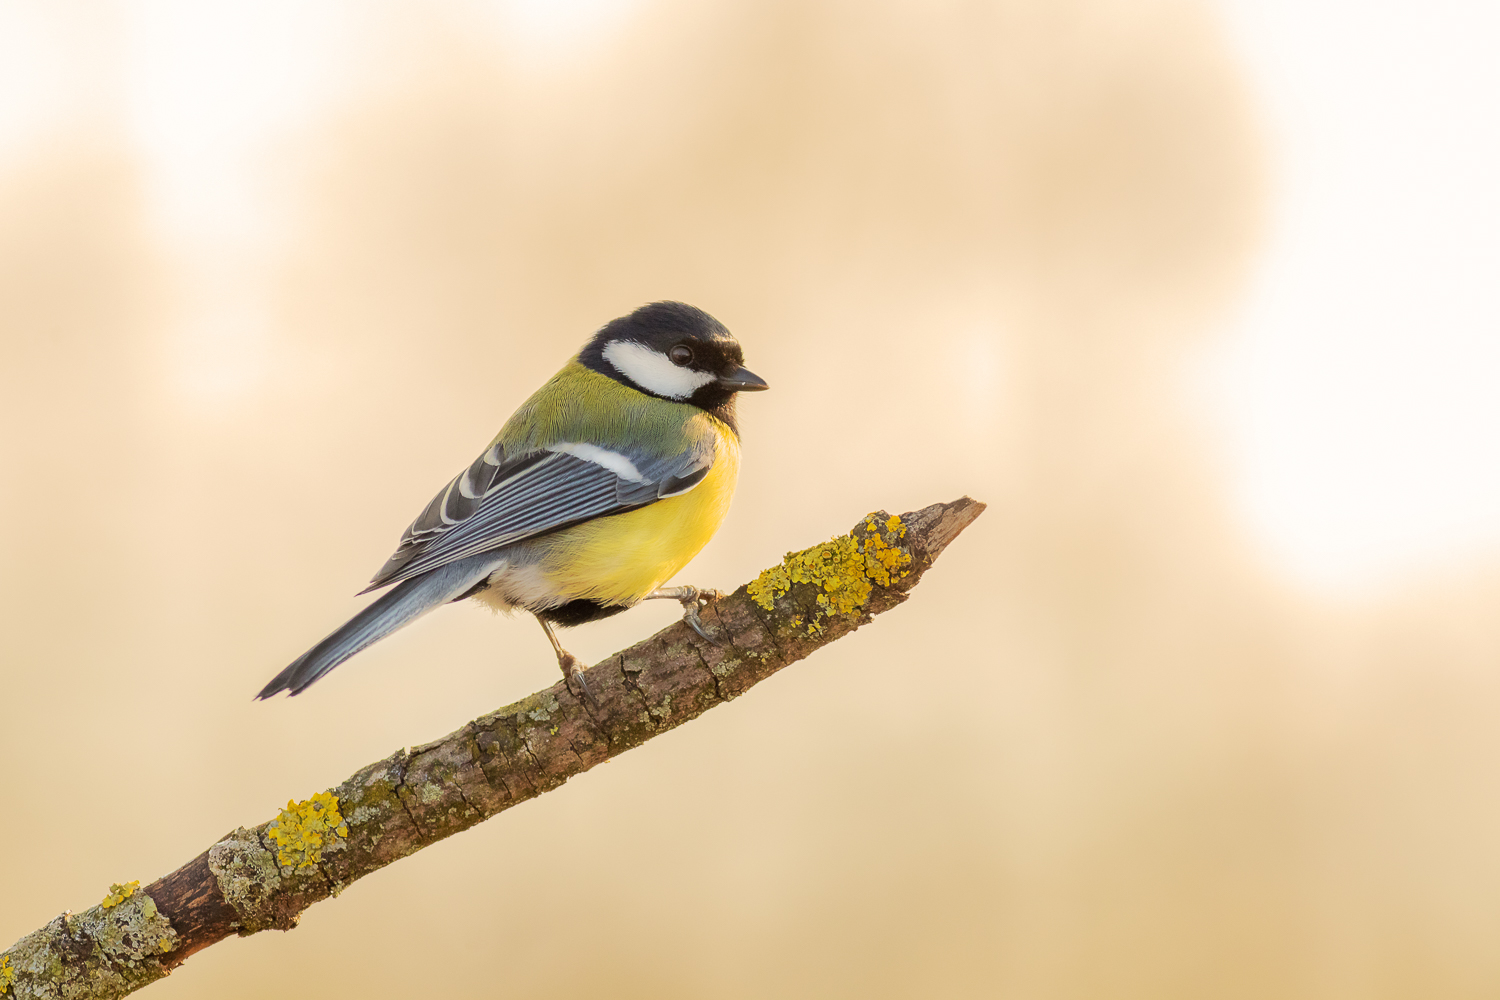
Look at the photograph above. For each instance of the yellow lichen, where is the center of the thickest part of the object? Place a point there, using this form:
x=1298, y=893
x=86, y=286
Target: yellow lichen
x=843, y=569
x=771, y=584
x=119, y=893
x=7, y=973
x=885, y=562
x=305, y=829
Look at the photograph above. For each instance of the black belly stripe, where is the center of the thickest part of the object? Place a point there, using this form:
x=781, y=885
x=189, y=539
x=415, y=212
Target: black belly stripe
x=580, y=611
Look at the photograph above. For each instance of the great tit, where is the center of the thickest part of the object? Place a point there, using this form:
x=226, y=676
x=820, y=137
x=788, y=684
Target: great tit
x=596, y=492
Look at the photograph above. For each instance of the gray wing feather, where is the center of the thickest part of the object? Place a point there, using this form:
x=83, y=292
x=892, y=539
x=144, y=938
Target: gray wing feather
x=394, y=609
x=499, y=500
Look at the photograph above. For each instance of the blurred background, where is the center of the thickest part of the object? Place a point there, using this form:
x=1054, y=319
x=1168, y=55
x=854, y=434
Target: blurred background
x=1198, y=295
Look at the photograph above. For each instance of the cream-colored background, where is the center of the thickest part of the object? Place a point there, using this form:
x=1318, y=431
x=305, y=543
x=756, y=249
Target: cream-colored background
x=269, y=274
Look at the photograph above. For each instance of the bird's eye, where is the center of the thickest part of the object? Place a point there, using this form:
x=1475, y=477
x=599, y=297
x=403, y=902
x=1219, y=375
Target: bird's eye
x=681, y=355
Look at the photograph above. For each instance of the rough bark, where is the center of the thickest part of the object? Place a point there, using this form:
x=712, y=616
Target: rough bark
x=262, y=878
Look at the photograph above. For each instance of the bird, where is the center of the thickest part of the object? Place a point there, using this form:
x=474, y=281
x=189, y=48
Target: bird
x=597, y=491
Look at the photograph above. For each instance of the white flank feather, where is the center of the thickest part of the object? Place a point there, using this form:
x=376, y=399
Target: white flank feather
x=611, y=460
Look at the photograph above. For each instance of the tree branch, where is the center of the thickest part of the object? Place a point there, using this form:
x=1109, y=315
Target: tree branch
x=262, y=878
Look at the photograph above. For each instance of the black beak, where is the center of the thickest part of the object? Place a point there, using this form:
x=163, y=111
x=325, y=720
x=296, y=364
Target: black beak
x=744, y=380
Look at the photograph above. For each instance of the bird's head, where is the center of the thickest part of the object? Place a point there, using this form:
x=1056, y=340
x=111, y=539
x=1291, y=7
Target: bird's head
x=673, y=351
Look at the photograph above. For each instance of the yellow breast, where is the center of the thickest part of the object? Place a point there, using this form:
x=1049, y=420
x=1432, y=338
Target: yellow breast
x=622, y=558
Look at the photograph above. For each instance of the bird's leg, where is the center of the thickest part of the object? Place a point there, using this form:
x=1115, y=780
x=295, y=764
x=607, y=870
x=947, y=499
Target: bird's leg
x=571, y=667
x=692, y=599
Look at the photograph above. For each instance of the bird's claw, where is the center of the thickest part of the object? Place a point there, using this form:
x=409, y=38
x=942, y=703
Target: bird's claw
x=692, y=600
x=692, y=603
x=572, y=671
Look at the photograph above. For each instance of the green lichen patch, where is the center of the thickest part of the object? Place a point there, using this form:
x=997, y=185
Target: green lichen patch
x=132, y=930
x=304, y=830
x=843, y=571
x=118, y=893
x=105, y=951
x=662, y=712
x=546, y=704
x=248, y=878
x=370, y=797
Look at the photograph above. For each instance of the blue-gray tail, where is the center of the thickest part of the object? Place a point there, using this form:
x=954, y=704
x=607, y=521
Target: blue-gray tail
x=401, y=605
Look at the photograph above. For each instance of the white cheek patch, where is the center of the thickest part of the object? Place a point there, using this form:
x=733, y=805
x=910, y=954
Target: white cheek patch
x=611, y=460
x=652, y=371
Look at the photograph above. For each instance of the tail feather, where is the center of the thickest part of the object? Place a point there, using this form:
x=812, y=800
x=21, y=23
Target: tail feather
x=401, y=605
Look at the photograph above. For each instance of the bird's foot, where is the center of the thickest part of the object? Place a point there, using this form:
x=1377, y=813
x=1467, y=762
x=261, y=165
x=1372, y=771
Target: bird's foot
x=572, y=671
x=692, y=600
x=572, y=667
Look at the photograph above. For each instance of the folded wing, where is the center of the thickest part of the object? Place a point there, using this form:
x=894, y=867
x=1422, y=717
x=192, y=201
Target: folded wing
x=502, y=499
